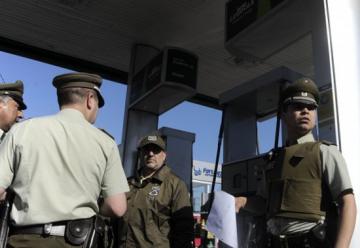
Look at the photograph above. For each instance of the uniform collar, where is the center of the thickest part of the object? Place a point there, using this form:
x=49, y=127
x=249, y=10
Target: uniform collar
x=72, y=113
x=159, y=176
x=309, y=137
x=161, y=173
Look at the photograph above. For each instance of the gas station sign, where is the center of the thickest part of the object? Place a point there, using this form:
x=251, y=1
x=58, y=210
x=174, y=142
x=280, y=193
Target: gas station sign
x=241, y=13
x=203, y=171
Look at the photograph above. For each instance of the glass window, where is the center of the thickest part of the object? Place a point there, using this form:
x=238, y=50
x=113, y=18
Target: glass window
x=201, y=120
x=266, y=128
x=198, y=190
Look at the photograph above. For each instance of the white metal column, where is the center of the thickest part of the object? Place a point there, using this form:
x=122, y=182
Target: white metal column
x=343, y=27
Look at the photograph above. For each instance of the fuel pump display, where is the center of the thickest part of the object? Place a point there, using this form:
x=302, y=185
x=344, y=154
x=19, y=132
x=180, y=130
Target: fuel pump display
x=243, y=178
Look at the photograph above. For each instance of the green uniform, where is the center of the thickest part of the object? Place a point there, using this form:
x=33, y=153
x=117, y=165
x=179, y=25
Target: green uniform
x=58, y=166
x=159, y=212
x=332, y=169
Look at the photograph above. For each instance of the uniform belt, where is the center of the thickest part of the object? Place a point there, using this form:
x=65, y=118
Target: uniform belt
x=289, y=239
x=306, y=239
x=53, y=229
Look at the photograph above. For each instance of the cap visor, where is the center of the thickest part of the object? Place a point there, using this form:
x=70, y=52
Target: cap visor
x=19, y=101
x=100, y=98
x=300, y=99
x=22, y=106
x=146, y=143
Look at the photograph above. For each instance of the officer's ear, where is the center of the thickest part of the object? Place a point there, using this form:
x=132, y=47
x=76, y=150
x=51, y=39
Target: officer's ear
x=91, y=100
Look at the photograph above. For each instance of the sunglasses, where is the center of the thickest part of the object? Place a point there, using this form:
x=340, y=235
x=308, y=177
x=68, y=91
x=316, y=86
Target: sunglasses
x=151, y=148
x=301, y=106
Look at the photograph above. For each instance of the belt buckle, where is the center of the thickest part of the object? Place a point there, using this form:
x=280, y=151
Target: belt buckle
x=47, y=228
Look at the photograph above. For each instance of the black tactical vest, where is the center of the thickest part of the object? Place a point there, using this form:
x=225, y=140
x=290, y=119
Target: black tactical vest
x=295, y=183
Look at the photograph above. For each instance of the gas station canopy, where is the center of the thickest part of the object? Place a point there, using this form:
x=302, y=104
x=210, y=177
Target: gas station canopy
x=98, y=36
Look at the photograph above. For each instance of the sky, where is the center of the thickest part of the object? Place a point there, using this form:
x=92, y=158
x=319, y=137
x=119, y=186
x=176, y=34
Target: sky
x=40, y=97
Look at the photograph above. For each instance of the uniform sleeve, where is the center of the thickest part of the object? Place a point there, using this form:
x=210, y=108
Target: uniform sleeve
x=181, y=197
x=335, y=171
x=182, y=221
x=7, y=153
x=114, y=180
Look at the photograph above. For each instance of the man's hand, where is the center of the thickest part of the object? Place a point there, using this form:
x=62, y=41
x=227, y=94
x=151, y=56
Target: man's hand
x=240, y=202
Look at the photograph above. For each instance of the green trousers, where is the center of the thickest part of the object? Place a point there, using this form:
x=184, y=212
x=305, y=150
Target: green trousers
x=37, y=241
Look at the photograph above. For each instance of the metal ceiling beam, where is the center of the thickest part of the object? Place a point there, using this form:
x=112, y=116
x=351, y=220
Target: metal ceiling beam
x=207, y=101
x=76, y=64
x=58, y=59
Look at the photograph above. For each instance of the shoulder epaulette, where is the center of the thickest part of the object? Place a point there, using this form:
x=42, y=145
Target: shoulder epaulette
x=328, y=143
x=107, y=133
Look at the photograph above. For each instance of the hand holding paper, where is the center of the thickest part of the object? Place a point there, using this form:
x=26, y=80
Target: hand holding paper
x=222, y=218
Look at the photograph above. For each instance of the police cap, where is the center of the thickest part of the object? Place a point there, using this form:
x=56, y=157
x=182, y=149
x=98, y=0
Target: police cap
x=15, y=91
x=82, y=80
x=303, y=90
x=152, y=139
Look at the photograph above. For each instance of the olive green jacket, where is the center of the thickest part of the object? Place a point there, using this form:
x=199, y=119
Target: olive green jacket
x=159, y=212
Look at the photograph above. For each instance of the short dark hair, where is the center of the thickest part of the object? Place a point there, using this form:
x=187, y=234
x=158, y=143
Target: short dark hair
x=73, y=95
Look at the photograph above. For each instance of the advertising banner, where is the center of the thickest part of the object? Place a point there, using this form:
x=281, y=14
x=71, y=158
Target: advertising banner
x=204, y=171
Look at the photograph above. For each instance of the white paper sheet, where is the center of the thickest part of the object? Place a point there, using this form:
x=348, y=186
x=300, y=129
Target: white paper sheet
x=222, y=218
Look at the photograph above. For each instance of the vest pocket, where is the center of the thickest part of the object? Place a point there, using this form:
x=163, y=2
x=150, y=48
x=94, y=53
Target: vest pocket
x=301, y=196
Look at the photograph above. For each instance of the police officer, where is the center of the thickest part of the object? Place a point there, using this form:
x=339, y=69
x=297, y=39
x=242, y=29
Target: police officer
x=304, y=178
x=159, y=213
x=11, y=105
x=58, y=166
